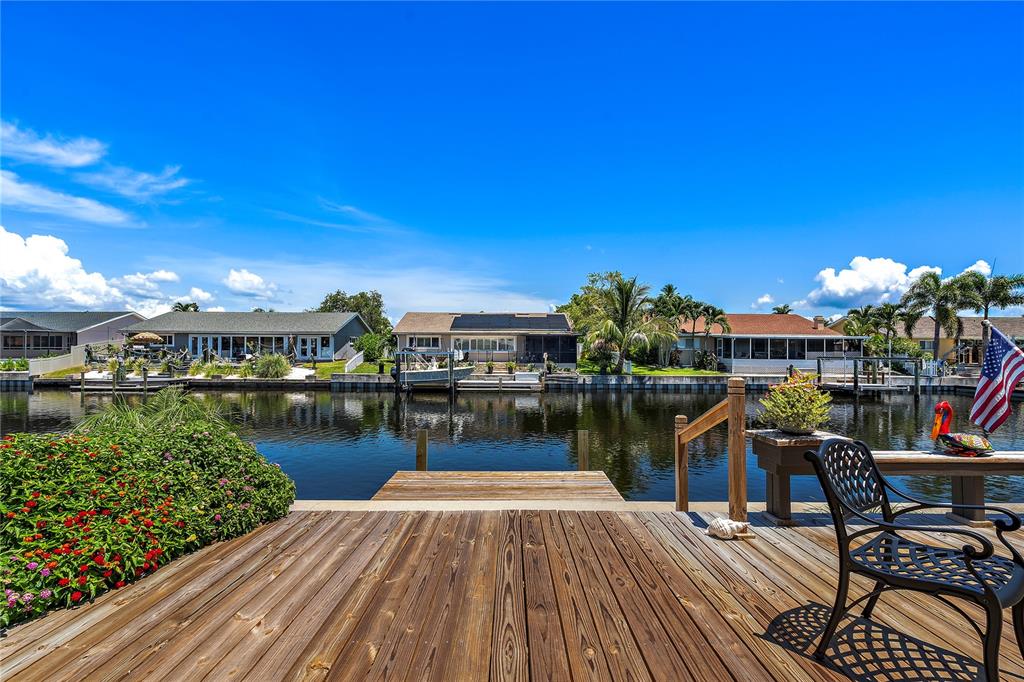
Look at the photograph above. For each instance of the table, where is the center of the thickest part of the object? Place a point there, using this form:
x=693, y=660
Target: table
x=781, y=456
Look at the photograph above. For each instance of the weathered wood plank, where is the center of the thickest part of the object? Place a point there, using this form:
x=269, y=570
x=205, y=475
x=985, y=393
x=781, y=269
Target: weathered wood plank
x=508, y=639
x=548, y=659
x=498, y=485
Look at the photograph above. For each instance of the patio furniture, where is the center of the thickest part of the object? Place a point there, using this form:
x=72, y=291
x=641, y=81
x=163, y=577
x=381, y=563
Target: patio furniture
x=854, y=487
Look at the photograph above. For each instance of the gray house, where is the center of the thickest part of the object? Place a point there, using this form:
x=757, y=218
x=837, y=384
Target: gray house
x=34, y=334
x=522, y=337
x=323, y=336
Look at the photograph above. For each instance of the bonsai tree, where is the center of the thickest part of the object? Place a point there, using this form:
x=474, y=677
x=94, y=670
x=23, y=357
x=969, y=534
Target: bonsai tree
x=796, y=405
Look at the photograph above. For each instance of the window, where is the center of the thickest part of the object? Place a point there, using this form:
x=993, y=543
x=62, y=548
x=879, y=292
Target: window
x=686, y=343
x=266, y=345
x=325, y=342
x=168, y=339
x=796, y=349
x=777, y=348
x=741, y=349
x=485, y=345
x=14, y=341
x=815, y=345
x=833, y=346
x=759, y=349
x=238, y=345
x=926, y=345
x=425, y=341
x=726, y=352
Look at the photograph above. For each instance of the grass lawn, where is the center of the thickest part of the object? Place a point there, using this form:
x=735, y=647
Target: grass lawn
x=57, y=374
x=588, y=367
x=324, y=370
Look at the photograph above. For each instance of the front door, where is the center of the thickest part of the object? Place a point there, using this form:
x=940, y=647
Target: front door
x=308, y=347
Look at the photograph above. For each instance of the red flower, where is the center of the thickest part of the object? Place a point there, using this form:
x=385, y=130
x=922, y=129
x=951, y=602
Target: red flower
x=31, y=503
x=40, y=524
x=119, y=583
x=11, y=515
x=147, y=523
x=107, y=574
x=76, y=596
x=82, y=579
x=35, y=494
x=83, y=568
x=63, y=581
x=105, y=512
x=123, y=521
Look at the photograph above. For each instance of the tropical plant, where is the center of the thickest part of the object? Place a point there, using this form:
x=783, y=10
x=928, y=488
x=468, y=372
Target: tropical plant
x=944, y=298
x=627, y=321
x=886, y=319
x=797, y=405
x=510, y=366
x=714, y=315
x=982, y=293
x=368, y=304
x=272, y=366
x=185, y=307
x=584, y=307
x=13, y=365
x=782, y=309
x=128, y=491
x=861, y=321
x=113, y=365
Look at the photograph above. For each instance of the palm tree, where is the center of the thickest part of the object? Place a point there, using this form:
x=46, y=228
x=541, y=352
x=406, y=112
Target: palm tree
x=714, y=315
x=984, y=293
x=861, y=321
x=783, y=309
x=945, y=298
x=886, y=318
x=627, y=320
x=183, y=307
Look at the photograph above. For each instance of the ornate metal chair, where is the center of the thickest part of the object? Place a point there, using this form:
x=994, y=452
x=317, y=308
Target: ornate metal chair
x=854, y=487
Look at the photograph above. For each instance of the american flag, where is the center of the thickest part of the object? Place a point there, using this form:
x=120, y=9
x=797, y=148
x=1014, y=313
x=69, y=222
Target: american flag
x=1003, y=368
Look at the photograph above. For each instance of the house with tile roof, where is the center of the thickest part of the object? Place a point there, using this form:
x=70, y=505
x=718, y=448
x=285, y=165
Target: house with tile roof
x=499, y=337
x=966, y=348
x=35, y=334
x=767, y=342
x=232, y=335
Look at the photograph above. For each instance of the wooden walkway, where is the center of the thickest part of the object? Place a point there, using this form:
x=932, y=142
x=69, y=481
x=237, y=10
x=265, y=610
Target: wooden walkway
x=499, y=485
x=500, y=595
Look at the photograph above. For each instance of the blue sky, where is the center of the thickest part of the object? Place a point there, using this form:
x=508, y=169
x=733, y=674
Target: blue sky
x=487, y=156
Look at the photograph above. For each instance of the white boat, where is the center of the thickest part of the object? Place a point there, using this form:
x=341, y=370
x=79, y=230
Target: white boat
x=439, y=375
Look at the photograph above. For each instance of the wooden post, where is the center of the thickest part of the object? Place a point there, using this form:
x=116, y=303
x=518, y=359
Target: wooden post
x=917, y=379
x=81, y=383
x=113, y=378
x=583, y=450
x=421, y=450
x=737, y=397
x=682, y=452
x=145, y=380
x=856, y=378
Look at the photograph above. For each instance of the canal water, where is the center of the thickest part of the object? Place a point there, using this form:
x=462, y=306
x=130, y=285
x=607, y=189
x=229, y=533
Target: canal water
x=346, y=445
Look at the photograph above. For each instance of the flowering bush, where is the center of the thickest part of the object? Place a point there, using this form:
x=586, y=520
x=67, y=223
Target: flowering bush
x=85, y=513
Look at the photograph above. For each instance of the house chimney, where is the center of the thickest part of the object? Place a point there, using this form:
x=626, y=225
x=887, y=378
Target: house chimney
x=819, y=322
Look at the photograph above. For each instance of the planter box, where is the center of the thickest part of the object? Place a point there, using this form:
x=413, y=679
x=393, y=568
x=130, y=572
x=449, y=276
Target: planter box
x=781, y=455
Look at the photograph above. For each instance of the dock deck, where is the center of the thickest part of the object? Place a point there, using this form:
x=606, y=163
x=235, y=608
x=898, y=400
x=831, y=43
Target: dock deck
x=500, y=595
x=499, y=485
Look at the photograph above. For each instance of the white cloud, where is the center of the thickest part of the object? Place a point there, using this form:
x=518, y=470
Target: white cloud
x=198, y=295
x=37, y=272
x=245, y=283
x=980, y=266
x=867, y=280
x=27, y=146
x=26, y=196
x=216, y=309
x=134, y=184
x=871, y=280
x=144, y=284
x=764, y=300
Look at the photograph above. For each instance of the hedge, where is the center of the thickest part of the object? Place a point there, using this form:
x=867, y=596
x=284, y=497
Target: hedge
x=84, y=513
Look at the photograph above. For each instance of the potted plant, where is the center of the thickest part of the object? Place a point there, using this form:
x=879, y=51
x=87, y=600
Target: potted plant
x=380, y=366
x=490, y=366
x=796, y=406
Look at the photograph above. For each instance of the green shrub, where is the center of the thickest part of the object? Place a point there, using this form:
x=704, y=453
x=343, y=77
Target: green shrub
x=372, y=346
x=113, y=365
x=130, y=490
x=221, y=368
x=245, y=370
x=272, y=366
x=14, y=365
x=796, y=405
x=196, y=368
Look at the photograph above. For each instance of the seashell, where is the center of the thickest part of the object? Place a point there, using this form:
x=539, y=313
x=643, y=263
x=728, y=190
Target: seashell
x=726, y=529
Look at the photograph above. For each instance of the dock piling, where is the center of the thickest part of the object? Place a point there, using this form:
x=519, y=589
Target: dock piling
x=737, y=397
x=682, y=453
x=421, y=450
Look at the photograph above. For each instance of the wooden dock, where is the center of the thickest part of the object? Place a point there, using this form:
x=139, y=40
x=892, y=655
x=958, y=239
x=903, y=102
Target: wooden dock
x=499, y=595
x=499, y=485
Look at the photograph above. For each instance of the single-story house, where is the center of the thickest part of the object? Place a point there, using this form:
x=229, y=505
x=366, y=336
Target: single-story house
x=323, y=336
x=33, y=334
x=768, y=342
x=968, y=351
x=522, y=337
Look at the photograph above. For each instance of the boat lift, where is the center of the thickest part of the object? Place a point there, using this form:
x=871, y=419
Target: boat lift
x=425, y=369
x=871, y=372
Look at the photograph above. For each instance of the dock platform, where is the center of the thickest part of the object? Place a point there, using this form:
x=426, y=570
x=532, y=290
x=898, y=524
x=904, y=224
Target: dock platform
x=499, y=595
x=499, y=485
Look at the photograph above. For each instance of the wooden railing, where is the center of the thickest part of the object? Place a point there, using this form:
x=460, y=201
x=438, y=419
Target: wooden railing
x=733, y=409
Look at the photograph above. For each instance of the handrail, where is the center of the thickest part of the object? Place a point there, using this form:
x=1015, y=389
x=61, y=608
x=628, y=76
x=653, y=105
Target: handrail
x=733, y=410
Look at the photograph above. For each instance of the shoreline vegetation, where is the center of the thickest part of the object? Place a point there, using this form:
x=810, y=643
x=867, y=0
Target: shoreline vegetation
x=126, y=491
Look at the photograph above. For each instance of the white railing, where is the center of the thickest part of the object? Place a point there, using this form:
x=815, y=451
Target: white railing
x=354, y=362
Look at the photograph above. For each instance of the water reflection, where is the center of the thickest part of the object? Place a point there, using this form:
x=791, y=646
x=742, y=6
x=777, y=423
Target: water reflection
x=346, y=445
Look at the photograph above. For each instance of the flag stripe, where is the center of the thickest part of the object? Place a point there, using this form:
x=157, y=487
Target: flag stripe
x=1002, y=370
x=1011, y=374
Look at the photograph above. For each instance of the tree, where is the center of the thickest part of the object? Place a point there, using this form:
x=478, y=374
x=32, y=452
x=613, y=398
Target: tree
x=945, y=299
x=783, y=309
x=584, y=307
x=627, y=319
x=714, y=315
x=369, y=305
x=982, y=293
x=887, y=318
x=264, y=310
x=183, y=307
